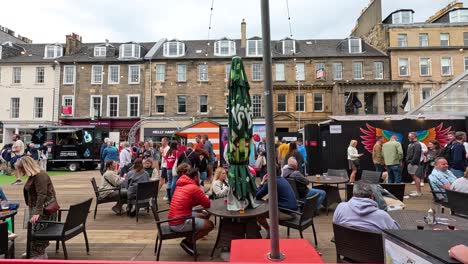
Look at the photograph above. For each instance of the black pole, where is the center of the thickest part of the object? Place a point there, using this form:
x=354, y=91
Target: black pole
x=270, y=137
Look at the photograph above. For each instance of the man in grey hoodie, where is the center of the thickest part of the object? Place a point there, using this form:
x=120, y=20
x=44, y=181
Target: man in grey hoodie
x=362, y=211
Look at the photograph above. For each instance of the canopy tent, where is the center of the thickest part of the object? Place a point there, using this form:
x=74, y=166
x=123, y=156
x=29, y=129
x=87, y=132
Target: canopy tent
x=205, y=127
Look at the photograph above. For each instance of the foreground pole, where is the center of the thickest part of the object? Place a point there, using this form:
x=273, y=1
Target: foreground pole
x=275, y=253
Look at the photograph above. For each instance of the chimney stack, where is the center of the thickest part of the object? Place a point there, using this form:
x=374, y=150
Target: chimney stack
x=243, y=33
x=72, y=43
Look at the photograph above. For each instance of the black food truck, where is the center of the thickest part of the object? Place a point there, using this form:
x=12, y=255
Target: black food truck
x=73, y=147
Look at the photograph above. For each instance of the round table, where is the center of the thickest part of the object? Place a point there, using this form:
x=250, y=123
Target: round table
x=333, y=192
x=410, y=219
x=233, y=224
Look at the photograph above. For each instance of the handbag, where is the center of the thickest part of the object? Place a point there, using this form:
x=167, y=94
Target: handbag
x=51, y=208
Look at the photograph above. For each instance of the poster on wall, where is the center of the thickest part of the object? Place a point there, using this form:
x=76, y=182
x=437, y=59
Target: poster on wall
x=259, y=131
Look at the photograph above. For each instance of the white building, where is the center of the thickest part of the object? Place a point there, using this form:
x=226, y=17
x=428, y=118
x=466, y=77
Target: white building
x=29, y=88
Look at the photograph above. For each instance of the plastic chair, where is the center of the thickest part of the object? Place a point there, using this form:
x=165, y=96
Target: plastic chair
x=144, y=193
x=397, y=189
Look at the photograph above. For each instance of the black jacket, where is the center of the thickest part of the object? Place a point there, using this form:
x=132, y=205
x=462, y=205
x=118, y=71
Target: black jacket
x=191, y=156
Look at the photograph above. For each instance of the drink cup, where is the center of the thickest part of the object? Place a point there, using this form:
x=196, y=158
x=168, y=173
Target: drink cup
x=317, y=177
x=5, y=205
x=242, y=210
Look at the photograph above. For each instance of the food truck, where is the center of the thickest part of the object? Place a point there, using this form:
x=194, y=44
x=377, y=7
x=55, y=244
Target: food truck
x=73, y=147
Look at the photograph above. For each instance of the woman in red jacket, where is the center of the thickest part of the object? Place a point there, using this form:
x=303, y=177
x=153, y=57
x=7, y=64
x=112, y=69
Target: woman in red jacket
x=187, y=195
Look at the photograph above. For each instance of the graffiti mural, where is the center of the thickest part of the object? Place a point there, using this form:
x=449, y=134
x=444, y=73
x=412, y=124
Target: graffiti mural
x=369, y=134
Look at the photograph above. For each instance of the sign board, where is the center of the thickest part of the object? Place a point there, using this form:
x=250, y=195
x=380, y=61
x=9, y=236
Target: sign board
x=335, y=129
x=149, y=132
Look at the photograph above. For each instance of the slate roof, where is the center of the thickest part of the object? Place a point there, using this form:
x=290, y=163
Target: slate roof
x=35, y=54
x=318, y=48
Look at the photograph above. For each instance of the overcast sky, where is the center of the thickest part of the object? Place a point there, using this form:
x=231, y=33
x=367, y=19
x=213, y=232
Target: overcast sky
x=48, y=21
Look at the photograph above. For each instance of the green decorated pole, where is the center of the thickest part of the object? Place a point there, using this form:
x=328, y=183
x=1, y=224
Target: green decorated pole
x=240, y=124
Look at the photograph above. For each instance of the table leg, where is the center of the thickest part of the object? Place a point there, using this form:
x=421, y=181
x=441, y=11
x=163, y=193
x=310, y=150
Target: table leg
x=220, y=229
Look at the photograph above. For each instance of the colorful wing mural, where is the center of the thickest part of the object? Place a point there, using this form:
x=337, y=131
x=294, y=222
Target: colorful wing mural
x=369, y=135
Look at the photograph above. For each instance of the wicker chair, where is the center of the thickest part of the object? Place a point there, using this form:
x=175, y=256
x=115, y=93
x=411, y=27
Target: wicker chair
x=357, y=245
x=457, y=203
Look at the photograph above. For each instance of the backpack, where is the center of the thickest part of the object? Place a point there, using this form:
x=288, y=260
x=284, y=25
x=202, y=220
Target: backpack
x=187, y=160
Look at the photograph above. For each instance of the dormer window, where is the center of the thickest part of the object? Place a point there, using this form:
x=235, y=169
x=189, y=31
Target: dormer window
x=225, y=48
x=99, y=51
x=289, y=46
x=355, y=45
x=254, y=47
x=402, y=17
x=174, y=49
x=458, y=16
x=53, y=51
x=129, y=51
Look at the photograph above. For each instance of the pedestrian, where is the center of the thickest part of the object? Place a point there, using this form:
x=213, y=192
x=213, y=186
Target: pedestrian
x=101, y=152
x=457, y=162
x=413, y=159
x=353, y=159
x=111, y=152
x=301, y=148
x=293, y=152
x=17, y=151
x=261, y=161
x=39, y=193
x=377, y=156
x=212, y=160
x=282, y=151
x=171, y=158
x=125, y=159
x=392, y=153
x=164, y=176
x=433, y=152
x=203, y=165
x=189, y=156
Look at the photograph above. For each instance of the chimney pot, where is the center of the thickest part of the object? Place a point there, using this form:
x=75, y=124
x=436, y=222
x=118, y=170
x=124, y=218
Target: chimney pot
x=243, y=33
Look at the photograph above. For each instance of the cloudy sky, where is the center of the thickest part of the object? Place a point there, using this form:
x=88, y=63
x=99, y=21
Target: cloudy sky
x=48, y=21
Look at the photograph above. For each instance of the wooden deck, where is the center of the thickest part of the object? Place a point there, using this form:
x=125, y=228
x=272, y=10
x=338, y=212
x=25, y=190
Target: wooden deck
x=115, y=237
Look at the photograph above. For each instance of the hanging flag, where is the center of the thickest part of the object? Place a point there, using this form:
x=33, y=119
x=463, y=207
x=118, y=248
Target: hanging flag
x=353, y=101
x=320, y=73
x=404, y=102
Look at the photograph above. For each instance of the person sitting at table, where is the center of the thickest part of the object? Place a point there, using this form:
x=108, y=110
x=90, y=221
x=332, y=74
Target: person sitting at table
x=187, y=195
x=362, y=211
x=111, y=180
x=135, y=176
x=461, y=184
x=441, y=178
x=291, y=171
x=220, y=186
x=286, y=196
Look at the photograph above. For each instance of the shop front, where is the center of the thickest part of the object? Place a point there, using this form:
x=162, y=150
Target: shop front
x=155, y=130
x=116, y=129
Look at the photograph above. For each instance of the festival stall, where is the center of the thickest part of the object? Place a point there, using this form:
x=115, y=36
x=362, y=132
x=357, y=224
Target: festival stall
x=205, y=127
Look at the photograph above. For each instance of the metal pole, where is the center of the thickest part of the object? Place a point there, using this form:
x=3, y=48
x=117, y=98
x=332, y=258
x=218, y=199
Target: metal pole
x=270, y=146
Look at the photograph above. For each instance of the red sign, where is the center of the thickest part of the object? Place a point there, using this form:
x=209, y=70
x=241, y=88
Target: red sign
x=67, y=110
x=313, y=143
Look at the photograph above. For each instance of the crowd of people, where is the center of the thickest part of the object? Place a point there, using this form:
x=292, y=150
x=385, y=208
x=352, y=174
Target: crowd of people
x=432, y=163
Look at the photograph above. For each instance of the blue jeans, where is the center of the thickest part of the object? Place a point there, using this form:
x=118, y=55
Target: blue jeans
x=457, y=173
x=394, y=175
x=173, y=185
x=169, y=179
x=321, y=196
x=2, y=195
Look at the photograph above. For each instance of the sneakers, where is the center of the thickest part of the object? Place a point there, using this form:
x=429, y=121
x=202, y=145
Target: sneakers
x=116, y=209
x=413, y=183
x=415, y=194
x=12, y=236
x=43, y=256
x=421, y=184
x=17, y=182
x=187, y=247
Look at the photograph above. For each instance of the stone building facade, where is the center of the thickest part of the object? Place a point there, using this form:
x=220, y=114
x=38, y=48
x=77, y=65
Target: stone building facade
x=423, y=55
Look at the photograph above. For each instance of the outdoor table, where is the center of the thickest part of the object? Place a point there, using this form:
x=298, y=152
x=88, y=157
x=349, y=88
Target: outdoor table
x=333, y=192
x=9, y=214
x=421, y=246
x=411, y=219
x=233, y=224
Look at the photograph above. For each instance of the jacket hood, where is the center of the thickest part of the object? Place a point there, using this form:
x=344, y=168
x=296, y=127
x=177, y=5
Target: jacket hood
x=287, y=172
x=362, y=206
x=184, y=180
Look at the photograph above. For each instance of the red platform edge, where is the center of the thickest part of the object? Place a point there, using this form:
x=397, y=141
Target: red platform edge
x=256, y=250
